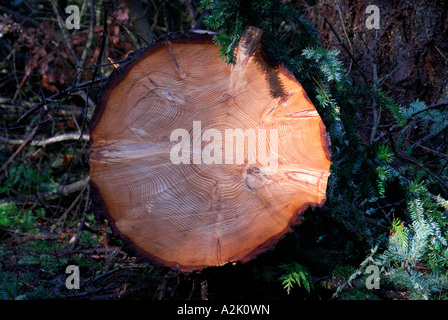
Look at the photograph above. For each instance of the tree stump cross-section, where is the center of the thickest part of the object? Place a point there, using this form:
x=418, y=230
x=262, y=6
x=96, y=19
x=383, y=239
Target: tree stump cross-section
x=196, y=163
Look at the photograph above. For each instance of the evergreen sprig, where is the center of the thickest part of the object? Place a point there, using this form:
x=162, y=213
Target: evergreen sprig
x=295, y=274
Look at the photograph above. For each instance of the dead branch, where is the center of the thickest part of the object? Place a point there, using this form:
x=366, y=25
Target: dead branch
x=60, y=94
x=39, y=236
x=62, y=191
x=64, y=34
x=79, y=185
x=42, y=143
x=70, y=208
x=334, y=284
x=22, y=145
x=81, y=224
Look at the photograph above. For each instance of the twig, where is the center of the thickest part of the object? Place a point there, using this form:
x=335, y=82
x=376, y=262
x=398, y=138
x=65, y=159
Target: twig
x=37, y=236
x=42, y=143
x=155, y=8
x=440, y=52
x=383, y=79
x=192, y=13
x=131, y=32
x=13, y=110
x=7, y=103
x=376, y=112
x=204, y=287
x=39, y=199
x=23, y=144
x=57, y=95
x=95, y=250
x=62, y=191
x=89, y=103
x=390, y=204
x=434, y=106
x=70, y=208
x=357, y=273
x=64, y=34
x=81, y=223
x=97, y=70
x=328, y=98
x=443, y=167
x=338, y=8
x=138, y=16
x=334, y=284
x=363, y=74
x=89, y=42
x=409, y=159
x=74, y=187
x=43, y=235
x=161, y=290
x=65, y=190
x=428, y=149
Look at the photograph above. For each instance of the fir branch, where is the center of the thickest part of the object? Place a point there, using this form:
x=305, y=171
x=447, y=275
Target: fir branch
x=358, y=272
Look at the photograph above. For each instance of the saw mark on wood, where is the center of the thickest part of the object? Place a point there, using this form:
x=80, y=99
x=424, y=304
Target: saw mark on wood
x=218, y=245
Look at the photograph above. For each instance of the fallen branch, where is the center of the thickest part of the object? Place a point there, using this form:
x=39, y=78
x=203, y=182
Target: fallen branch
x=96, y=250
x=335, y=284
x=39, y=236
x=70, y=208
x=22, y=145
x=42, y=143
x=81, y=224
x=62, y=191
x=65, y=190
x=358, y=272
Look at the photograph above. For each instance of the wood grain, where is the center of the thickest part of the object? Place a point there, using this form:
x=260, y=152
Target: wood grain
x=191, y=216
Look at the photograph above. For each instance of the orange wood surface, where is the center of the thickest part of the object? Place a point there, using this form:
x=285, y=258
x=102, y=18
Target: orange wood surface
x=191, y=216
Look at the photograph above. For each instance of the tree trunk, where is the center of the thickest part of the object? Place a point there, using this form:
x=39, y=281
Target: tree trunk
x=408, y=54
x=139, y=17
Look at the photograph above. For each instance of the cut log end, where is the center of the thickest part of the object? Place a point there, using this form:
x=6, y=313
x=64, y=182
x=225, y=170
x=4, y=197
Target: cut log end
x=196, y=163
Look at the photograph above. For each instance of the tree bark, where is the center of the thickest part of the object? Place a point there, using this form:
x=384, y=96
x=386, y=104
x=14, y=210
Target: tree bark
x=409, y=50
x=138, y=14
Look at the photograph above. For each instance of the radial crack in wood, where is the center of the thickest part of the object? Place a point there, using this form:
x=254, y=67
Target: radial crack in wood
x=197, y=163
